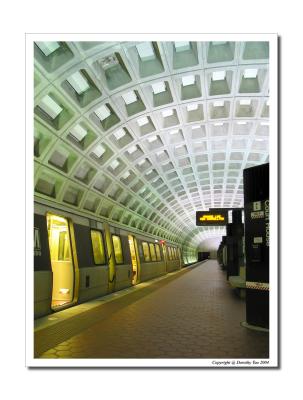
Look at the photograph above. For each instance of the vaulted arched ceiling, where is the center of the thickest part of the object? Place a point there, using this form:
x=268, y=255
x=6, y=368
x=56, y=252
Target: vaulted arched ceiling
x=146, y=133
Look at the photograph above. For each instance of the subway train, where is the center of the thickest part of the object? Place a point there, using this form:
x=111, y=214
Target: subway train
x=77, y=258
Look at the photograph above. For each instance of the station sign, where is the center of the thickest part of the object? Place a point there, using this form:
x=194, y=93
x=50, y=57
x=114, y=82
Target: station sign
x=210, y=218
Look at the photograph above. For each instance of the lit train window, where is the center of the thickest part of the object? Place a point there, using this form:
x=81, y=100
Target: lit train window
x=175, y=253
x=59, y=238
x=117, y=249
x=172, y=253
x=152, y=252
x=158, y=253
x=98, y=247
x=170, y=256
x=146, y=251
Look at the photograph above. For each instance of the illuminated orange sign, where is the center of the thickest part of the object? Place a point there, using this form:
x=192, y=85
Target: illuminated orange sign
x=206, y=218
x=212, y=217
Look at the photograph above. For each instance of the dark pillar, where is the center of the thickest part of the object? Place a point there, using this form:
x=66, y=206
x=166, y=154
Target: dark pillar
x=256, y=206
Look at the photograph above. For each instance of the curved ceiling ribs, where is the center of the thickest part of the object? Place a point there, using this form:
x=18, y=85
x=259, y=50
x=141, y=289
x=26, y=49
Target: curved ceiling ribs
x=146, y=133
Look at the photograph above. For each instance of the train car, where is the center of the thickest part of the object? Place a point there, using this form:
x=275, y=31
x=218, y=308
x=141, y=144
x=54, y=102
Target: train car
x=78, y=258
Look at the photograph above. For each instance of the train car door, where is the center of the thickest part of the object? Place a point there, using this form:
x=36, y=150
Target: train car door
x=133, y=247
x=165, y=255
x=62, y=260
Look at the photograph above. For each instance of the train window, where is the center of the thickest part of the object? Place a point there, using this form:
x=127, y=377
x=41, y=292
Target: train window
x=117, y=249
x=59, y=238
x=172, y=253
x=152, y=252
x=175, y=253
x=98, y=247
x=170, y=256
x=146, y=251
x=158, y=253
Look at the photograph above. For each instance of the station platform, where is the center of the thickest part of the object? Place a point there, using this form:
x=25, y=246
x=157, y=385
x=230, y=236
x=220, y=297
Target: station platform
x=191, y=313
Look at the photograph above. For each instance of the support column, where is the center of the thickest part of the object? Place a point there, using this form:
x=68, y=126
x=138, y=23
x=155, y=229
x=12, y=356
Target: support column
x=256, y=203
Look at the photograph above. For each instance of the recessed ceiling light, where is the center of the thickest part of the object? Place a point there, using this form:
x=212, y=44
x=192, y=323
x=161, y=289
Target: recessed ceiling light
x=49, y=106
x=218, y=124
x=99, y=150
x=182, y=46
x=192, y=107
x=268, y=102
x=188, y=80
x=167, y=113
x=141, y=162
x=158, y=87
x=146, y=51
x=48, y=47
x=102, y=112
x=195, y=127
x=245, y=102
x=78, y=82
x=142, y=121
x=126, y=175
x=149, y=172
x=152, y=139
x=132, y=149
x=218, y=75
x=78, y=132
x=265, y=123
x=217, y=43
x=174, y=131
x=119, y=133
x=114, y=164
x=160, y=153
x=129, y=97
x=218, y=103
x=241, y=123
x=250, y=73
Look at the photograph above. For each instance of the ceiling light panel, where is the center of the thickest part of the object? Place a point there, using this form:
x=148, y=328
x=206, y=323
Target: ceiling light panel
x=102, y=112
x=158, y=87
x=182, y=46
x=188, y=80
x=49, y=106
x=119, y=134
x=48, y=47
x=146, y=51
x=142, y=121
x=78, y=82
x=250, y=73
x=78, y=132
x=129, y=97
x=99, y=151
x=218, y=75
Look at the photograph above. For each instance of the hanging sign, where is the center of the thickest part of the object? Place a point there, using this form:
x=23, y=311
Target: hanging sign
x=207, y=218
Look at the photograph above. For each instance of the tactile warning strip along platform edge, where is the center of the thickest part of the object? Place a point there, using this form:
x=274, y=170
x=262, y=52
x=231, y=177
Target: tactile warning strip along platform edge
x=50, y=336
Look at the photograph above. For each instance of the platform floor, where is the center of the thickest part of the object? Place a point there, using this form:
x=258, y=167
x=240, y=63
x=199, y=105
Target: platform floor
x=189, y=314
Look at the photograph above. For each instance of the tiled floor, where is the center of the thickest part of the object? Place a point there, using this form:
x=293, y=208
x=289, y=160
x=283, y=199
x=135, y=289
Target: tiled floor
x=193, y=314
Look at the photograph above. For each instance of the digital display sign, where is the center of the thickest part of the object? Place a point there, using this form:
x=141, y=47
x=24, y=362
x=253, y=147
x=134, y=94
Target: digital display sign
x=207, y=218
